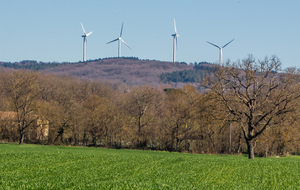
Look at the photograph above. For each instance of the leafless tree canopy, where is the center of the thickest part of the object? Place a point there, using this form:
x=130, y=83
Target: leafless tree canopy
x=255, y=94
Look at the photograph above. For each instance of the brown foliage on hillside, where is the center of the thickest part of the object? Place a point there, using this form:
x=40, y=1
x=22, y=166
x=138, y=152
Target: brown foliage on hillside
x=130, y=71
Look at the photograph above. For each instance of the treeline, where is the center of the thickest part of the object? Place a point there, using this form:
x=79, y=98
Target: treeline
x=30, y=65
x=38, y=66
x=188, y=76
x=90, y=113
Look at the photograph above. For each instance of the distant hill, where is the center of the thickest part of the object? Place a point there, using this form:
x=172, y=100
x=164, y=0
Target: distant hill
x=129, y=70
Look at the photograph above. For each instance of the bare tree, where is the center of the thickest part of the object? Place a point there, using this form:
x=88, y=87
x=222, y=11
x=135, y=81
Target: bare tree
x=177, y=120
x=139, y=104
x=23, y=89
x=255, y=94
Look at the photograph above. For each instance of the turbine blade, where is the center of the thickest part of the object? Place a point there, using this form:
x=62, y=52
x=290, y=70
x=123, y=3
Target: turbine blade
x=112, y=41
x=227, y=43
x=126, y=44
x=82, y=28
x=121, y=29
x=89, y=34
x=176, y=42
x=175, y=27
x=213, y=44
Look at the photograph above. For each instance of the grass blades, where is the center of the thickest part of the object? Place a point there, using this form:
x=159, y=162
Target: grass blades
x=53, y=167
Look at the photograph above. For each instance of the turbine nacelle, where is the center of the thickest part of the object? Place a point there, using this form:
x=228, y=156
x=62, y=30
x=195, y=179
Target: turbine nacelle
x=84, y=33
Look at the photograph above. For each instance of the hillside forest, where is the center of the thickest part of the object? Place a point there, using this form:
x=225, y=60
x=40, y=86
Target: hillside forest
x=248, y=106
x=129, y=70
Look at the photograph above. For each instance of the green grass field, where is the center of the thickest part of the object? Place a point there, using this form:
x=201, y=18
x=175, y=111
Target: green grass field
x=53, y=167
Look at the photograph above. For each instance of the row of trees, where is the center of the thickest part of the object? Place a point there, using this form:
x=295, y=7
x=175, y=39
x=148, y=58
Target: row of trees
x=29, y=64
x=195, y=75
x=186, y=76
x=247, y=105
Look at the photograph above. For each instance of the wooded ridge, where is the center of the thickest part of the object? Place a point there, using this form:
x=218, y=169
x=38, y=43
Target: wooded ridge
x=128, y=70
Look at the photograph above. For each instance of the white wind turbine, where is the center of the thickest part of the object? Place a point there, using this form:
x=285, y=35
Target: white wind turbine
x=174, y=41
x=85, y=35
x=221, y=48
x=120, y=40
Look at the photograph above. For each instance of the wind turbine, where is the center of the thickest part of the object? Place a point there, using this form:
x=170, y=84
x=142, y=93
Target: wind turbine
x=85, y=35
x=120, y=40
x=221, y=48
x=174, y=41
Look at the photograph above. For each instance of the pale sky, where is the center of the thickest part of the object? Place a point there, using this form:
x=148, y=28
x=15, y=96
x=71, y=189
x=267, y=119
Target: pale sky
x=50, y=30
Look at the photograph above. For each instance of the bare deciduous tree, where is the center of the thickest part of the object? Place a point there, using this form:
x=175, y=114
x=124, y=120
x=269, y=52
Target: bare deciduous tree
x=255, y=94
x=139, y=105
x=23, y=90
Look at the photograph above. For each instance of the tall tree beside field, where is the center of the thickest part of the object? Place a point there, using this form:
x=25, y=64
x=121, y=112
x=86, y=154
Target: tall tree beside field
x=23, y=89
x=99, y=114
x=178, y=119
x=62, y=109
x=3, y=96
x=255, y=94
x=139, y=105
x=192, y=98
x=212, y=122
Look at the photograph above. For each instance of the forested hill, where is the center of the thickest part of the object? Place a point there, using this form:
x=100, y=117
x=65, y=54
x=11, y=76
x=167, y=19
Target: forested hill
x=129, y=70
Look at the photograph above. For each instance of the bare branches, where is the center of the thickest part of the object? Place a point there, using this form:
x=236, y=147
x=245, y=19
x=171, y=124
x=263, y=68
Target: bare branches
x=23, y=90
x=255, y=92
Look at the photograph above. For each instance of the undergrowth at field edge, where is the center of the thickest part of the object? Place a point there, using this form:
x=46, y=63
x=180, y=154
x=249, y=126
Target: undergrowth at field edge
x=53, y=167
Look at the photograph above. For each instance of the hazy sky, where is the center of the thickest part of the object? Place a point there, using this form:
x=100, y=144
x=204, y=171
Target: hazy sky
x=50, y=30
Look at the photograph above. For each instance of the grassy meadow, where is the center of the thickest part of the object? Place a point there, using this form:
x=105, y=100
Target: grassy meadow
x=54, y=167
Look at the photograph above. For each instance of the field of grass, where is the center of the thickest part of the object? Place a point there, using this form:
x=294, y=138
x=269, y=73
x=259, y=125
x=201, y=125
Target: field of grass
x=53, y=167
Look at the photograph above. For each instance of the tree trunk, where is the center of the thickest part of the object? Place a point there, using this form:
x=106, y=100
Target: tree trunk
x=185, y=143
x=172, y=139
x=94, y=141
x=139, y=141
x=250, y=149
x=61, y=138
x=106, y=136
x=240, y=144
x=75, y=139
x=177, y=139
x=55, y=139
x=21, y=138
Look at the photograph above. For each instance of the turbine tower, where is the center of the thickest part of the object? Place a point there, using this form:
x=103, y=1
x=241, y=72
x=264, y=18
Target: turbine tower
x=221, y=48
x=174, y=41
x=120, y=40
x=85, y=35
